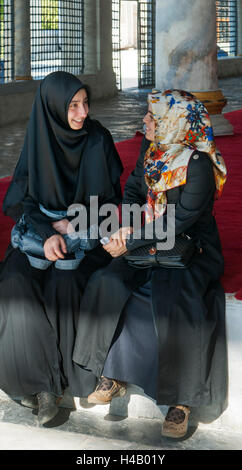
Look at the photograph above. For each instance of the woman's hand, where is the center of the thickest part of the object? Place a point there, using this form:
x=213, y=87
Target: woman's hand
x=115, y=249
x=55, y=247
x=117, y=245
x=63, y=226
x=122, y=234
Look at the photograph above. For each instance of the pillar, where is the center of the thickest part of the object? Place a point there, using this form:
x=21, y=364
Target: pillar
x=22, y=62
x=90, y=37
x=105, y=76
x=105, y=19
x=186, y=54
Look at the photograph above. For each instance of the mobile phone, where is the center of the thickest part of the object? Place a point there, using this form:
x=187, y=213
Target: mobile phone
x=105, y=240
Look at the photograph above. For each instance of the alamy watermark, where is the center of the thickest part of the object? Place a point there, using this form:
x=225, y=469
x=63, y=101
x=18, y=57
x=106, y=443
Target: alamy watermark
x=104, y=221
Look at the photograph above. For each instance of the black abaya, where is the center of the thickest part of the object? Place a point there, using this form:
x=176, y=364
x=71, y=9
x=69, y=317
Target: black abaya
x=38, y=316
x=39, y=310
x=188, y=306
x=132, y=358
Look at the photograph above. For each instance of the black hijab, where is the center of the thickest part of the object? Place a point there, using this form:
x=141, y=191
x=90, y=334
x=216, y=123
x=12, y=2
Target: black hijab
x=48, y=167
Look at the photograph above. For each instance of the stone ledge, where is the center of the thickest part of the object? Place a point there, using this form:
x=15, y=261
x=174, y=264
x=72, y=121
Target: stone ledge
x=229, y=67
x=18, y=87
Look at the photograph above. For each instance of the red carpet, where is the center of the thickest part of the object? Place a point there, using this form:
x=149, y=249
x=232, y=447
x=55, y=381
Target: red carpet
x=228, y=209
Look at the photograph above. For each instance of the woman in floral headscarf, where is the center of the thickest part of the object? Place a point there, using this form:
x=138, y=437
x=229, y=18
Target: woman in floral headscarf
x=164, y=329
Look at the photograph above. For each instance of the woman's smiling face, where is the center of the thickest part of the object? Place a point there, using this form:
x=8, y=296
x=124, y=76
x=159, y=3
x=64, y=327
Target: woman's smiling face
x=150, y=125
x=78, y=110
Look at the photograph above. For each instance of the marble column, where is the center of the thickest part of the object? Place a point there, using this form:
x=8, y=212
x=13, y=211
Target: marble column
x=22, y=61
x=105, y=18
x=105, y=48
x=186, y=54
x=90, y=37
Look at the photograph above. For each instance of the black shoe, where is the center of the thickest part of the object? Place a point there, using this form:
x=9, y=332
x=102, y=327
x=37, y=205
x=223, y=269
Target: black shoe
x=48, y=408
x=30, y=401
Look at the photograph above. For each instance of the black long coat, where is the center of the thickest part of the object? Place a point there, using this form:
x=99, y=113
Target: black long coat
x=39, y=309
x=189, y=305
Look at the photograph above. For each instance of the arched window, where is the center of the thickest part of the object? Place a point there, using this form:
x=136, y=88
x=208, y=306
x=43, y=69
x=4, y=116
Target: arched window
x=226, y=27
x=56, y=36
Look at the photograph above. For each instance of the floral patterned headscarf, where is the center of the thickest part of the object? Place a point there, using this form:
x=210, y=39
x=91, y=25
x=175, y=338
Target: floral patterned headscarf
x=182, y=126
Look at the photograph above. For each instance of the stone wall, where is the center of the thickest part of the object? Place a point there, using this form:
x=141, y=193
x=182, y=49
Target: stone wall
x=16, y=98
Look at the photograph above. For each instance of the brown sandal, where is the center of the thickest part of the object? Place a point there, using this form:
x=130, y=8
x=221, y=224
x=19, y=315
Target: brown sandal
x=176, y=421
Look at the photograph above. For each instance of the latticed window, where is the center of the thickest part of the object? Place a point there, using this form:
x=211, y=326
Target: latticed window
x=56, y=36
x=116, y=41
x=226, y=27
x=6, y=41
x=146, y=42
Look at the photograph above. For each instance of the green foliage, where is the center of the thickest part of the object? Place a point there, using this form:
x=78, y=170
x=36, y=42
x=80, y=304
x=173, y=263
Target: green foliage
x=1, y=10
x=49, y=14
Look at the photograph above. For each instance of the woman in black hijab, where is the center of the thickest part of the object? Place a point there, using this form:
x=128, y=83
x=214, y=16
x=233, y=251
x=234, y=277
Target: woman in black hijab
x=66, y=158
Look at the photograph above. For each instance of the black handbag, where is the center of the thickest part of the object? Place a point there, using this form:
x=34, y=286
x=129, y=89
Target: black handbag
x=180, y=256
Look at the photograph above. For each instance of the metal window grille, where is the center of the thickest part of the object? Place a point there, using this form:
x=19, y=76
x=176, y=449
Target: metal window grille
x=226, y=11
x=56, y=36
x=6, y=41
x=116, y=41
x=146, y=43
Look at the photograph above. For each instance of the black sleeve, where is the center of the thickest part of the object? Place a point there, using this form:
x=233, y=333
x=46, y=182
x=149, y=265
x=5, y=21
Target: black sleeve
x=195, y=196
x=133, y=191
x=15, y=212
x=40, y=221
x=17, y=190
x=115, y=168
x=133, y=187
